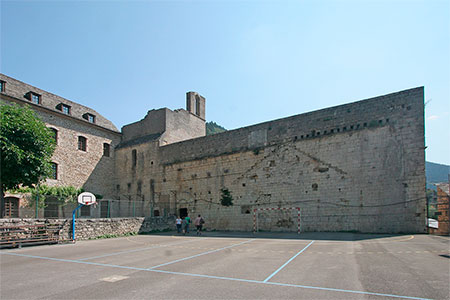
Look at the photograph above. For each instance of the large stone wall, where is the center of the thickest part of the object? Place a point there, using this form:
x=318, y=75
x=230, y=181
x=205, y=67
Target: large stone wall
x=355, y=167
x=95, y=228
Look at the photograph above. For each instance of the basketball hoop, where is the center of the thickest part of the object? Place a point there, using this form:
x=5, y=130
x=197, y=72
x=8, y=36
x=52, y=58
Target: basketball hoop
x=87, y=198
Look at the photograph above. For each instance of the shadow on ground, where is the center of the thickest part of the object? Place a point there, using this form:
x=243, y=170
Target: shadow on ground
x=328, y=236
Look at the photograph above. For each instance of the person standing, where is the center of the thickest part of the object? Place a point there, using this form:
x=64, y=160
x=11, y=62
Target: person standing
x=178, y=223
x=186, y=226
x=198, y=222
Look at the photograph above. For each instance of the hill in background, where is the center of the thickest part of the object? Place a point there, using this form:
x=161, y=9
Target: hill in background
x=436, y=173
x=213, y=128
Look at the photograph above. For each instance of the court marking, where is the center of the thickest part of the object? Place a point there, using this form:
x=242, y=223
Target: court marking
x=292, y=258
x=135, y=250
x=216, y=277
x=197, y=255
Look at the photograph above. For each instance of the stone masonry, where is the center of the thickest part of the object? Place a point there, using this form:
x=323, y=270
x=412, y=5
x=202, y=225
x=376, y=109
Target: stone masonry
x=353, y=167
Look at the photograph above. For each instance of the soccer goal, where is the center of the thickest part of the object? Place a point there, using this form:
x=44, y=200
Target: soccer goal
x=269, y=218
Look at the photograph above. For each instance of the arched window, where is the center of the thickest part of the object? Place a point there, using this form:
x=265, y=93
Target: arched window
x=55, y=134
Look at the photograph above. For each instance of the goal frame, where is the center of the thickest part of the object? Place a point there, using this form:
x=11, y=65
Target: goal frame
x=256, y=210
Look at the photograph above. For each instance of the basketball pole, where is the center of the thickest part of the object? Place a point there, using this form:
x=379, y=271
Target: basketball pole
x=73, y=221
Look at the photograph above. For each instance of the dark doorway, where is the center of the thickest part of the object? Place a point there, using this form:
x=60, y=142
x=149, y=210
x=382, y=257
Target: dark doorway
x=183, y=212
x=156, y=213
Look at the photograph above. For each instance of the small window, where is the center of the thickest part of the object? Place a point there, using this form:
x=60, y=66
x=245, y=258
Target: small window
x=134, y=158
x=55, y=134
x=82, y=143
x=64, y=108
x=89, y=117
x=2, y=86
x=106, y=148
x=35, y=98
x=54, y=174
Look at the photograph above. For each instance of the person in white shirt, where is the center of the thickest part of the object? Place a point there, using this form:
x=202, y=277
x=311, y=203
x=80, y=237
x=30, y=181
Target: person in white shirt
x=178, y=222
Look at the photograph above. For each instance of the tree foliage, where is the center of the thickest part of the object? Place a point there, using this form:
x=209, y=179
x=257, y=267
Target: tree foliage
x=61, y=195
x=226, y=198
x=26, y=146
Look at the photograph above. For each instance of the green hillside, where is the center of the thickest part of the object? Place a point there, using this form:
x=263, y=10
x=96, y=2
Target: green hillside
x=213, y=128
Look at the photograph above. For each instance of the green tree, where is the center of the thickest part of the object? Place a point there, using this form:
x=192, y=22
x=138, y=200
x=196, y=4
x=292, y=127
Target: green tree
x=226, y=198
x=26, y=146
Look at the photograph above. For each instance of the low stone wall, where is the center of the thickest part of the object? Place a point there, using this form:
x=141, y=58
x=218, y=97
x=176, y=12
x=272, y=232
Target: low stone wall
x=93, y=228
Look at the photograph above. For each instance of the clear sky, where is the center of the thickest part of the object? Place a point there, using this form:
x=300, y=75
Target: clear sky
x=254, y=61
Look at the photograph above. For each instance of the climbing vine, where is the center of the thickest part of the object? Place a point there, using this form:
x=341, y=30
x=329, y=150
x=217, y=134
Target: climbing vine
x=226, y=198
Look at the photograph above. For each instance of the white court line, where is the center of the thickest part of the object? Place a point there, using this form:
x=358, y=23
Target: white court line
x=193, y=256
x=135, y=250
x=217, y=277
x=292, y=258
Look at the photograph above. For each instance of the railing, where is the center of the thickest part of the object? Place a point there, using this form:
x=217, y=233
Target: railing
x=22, y=235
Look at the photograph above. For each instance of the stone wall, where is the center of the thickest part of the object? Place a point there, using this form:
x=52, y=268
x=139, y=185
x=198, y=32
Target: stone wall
x=93, y=228
x=355, y=167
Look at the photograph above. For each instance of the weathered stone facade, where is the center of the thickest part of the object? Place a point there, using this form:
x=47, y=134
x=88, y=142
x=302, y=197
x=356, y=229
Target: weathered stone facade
x=354, y=167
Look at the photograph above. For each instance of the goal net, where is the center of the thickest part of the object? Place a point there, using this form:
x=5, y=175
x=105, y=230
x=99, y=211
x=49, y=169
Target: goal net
x=276, y=219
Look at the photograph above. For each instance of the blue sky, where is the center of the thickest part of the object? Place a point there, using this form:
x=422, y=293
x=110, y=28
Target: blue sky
x=254, y=61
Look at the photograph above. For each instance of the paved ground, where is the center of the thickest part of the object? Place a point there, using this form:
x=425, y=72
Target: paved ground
x=232, y=266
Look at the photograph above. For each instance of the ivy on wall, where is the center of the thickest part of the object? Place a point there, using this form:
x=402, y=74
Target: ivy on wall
x=61, y=195
x=226, y=198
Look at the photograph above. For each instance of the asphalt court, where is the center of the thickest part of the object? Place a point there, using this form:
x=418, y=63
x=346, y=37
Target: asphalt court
x=276, y=266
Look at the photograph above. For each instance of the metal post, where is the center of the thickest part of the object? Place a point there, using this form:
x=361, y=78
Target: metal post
x=134, y=208
x=37, y=203
x=73, y=221
x=109, y=209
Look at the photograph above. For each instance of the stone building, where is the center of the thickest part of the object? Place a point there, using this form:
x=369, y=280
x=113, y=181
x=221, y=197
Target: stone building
x=84, y=155
x=354, y=167
x=443, y=208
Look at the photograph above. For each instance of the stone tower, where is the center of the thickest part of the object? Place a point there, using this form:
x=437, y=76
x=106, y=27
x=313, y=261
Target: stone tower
x=195, y=104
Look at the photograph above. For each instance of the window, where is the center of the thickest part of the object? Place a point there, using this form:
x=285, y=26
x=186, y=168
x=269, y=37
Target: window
x=197, y=105
x=89, y=117
x=134, y=158
x=106, y=148
x=64, y=108
x=54, y=174
x=82, y=143
x=55, y=134
x=2, y=86
x=35, y=98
